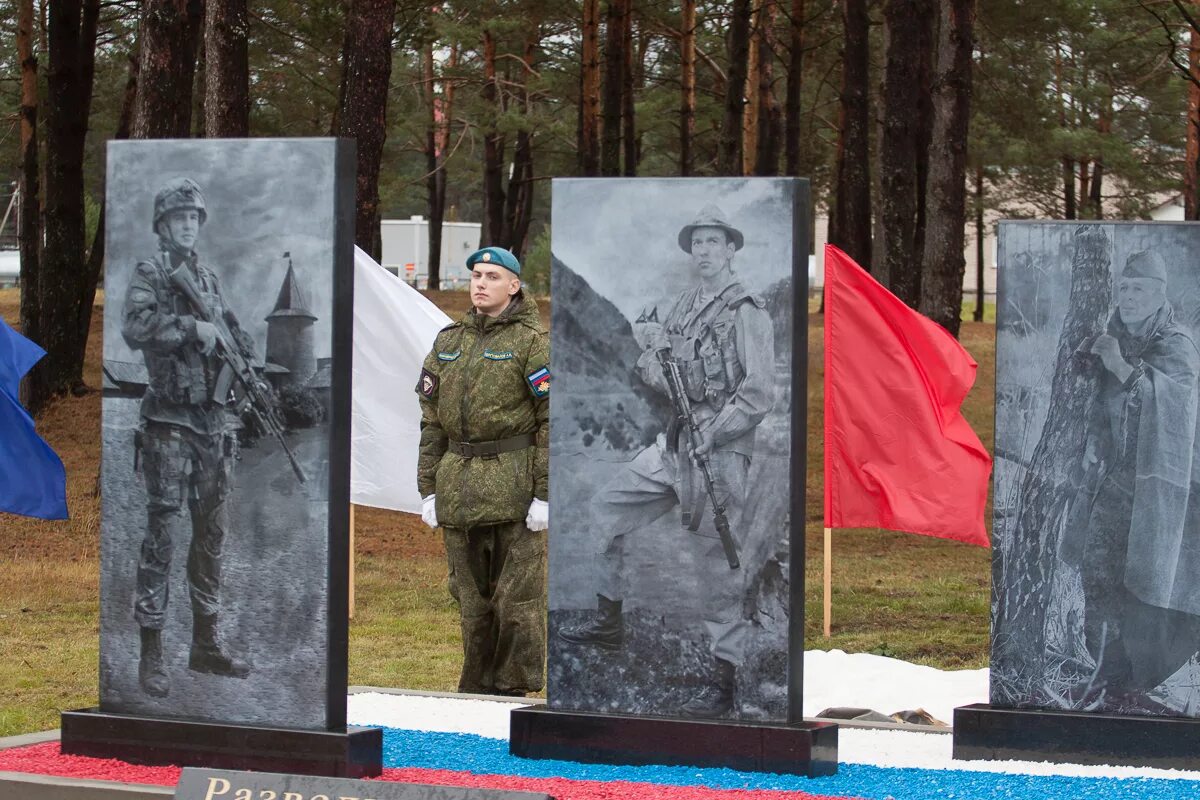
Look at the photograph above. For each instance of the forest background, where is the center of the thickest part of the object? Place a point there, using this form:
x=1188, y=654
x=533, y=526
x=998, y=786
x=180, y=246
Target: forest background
x=912, y=118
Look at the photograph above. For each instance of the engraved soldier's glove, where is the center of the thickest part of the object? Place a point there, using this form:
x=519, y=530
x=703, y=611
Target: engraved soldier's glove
x=429, y=511
x=538, y=518
x=650, y=336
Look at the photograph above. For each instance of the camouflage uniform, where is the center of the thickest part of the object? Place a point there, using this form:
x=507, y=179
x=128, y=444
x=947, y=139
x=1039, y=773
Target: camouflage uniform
x=186, y=440
x=725, y=347
x=486, y=382
x=722, y=340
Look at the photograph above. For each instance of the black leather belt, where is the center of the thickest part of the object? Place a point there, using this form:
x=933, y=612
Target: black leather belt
x=492, y=449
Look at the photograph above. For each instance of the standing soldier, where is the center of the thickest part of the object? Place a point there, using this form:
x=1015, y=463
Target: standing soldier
x=720, y=337
x=185, y=442
x=483, y=473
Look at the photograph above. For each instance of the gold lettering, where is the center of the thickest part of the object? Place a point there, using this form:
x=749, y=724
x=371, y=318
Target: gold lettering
x=212, y=788
x=347, y=798
x=292, y=796
x=266, y=794
x=320, y=797
x=243, y=794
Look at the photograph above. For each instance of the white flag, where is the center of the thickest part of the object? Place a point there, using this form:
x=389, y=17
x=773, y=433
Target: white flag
x=394, y=329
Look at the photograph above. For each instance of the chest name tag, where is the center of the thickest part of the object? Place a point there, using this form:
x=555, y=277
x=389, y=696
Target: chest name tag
x=539, y=381
x=498, y=355
x=449, y=356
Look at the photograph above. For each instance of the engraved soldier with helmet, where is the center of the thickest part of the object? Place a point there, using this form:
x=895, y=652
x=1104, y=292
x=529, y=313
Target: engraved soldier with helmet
x=175, y=314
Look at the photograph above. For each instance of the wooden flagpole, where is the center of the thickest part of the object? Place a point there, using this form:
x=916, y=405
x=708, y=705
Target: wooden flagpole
x=352, y=561
x=828, y=581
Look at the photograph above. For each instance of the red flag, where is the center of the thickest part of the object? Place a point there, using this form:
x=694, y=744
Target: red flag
x=898, y=453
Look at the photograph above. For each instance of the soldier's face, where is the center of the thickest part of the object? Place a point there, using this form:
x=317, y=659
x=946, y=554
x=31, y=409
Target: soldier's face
x=182, y=227
x=711, y=251
x=1138, y=298
x=491, y=288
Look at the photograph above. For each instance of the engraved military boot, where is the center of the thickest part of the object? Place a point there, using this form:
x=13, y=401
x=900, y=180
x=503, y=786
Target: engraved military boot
x=606, y=630
x=207, y=655
x=714, y=701
x=151, y=675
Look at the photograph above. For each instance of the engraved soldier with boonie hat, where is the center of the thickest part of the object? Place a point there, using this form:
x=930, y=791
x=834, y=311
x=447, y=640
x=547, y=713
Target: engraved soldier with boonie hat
x=710, y=217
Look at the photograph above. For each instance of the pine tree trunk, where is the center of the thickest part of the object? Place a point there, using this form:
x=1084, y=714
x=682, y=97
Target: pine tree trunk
x=519, y=209
x=227, y=70
x=366, y=72
x=95, y=260
x=770, y=118
x=850, y=227
x=493, y=150
x=589, y=92
x=924, y=125
x=729, y=150
x=795, y=76
x=72, y=40
x=29, y=216
x=979, y=234
x=435, y=175
x=941, y=283
x=628, y=123
x=614, y=61
x=687, y=86
x=1022, y=592
x=751, y=107
x=169, y=33
x=900, y=262
x=1191, y=167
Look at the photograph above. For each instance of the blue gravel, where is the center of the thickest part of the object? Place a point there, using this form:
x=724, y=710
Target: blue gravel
x=470, y=753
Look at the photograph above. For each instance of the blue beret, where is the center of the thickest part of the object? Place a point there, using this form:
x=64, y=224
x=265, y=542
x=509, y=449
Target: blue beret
x=495, y=255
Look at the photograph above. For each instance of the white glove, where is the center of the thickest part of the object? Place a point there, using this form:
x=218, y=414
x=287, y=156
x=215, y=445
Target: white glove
x=429, y=511
x=538, y=518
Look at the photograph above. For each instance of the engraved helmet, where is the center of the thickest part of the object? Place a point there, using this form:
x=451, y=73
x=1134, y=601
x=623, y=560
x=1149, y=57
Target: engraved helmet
x=175, y=194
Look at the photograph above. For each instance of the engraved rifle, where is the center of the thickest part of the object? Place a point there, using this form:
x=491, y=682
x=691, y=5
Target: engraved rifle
x=683, y=409
x=235, y=367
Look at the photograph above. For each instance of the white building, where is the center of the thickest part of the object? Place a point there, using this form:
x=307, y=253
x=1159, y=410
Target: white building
x=10, y=268
x=406, y=250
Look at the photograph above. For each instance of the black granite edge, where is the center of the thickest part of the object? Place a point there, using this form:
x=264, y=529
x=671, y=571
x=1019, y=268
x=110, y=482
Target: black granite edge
x=148, y=740
x=801, y=216
x=808, y=748
x=338, y=551
x=985, y=732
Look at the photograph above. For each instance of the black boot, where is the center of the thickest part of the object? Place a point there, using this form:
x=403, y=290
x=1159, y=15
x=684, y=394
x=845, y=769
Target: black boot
x=151, y=675
x=714, y=701
x=606, y=630
x=207, y=656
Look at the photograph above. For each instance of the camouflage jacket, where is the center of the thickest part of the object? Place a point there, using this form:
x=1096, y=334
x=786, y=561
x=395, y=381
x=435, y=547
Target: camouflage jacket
x=725, y=348
x=486, y=379
x=160, y=322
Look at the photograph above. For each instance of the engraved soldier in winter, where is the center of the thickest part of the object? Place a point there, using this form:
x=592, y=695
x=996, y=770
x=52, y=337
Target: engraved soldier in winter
x=716, y=339
x=1135, y=533
x=186, y=441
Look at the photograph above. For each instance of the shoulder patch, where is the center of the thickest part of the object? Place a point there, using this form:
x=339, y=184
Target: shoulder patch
x=427, y=384
x=539, y=381
x=445, y=356
x=498, y=355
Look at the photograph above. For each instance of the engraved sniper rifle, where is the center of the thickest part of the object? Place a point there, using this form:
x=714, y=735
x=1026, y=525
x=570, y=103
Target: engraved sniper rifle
x=683, y=409
x=235, y=367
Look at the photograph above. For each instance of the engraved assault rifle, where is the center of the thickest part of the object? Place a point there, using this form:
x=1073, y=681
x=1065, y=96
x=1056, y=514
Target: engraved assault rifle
x=683, y=409
x=235, y=367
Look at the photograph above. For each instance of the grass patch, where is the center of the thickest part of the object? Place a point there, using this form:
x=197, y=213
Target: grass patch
x=912, y=597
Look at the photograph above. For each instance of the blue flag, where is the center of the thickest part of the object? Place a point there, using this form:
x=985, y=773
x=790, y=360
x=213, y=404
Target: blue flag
x=32, y=479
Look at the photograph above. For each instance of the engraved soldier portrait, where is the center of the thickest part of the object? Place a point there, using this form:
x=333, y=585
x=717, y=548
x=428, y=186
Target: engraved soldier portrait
x=702, y=364
x=176, y=316
x=217, y=427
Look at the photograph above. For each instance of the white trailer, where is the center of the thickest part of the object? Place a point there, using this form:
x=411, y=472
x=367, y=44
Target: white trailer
x=406, y=250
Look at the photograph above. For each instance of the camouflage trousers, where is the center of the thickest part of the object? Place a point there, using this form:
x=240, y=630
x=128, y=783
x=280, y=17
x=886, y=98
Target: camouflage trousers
x=653, y=485
x=181, y=466
x=1139, y=645
x=498, y=578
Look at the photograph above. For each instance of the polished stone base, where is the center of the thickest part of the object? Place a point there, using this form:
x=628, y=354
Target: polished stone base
x=982, y=731
x=808, y=748
x=355, y=753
